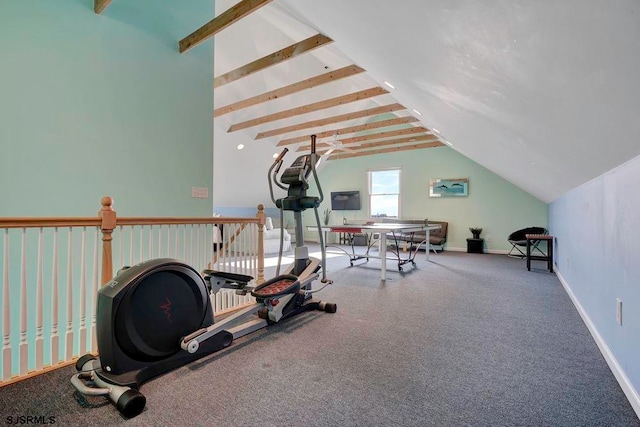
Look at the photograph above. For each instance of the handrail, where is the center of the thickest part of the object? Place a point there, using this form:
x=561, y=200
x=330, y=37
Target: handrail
x=22, y=272
x=45, y=222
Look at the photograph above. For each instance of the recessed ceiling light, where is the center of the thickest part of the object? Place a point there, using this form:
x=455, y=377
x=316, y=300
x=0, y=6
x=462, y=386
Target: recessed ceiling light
x=275, y=155
x=417, y=112
x=240, y=146
x=389, y=84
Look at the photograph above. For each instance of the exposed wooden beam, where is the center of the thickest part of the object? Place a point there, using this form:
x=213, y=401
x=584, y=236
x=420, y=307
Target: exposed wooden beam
x=220, y=22
x=331, y=76
x=418, y=130
x=351, y=129
x=100, y=5
x=275, y=58
x=397, y=141
x=316, y=106
x=331, y=120
x=386, y=150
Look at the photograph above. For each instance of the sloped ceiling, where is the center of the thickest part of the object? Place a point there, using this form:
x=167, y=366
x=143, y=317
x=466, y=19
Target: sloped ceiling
x=544, y=94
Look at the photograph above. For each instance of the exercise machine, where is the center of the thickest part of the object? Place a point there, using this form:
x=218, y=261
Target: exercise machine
x=157, y=315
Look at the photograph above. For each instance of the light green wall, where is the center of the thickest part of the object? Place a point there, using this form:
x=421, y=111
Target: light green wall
x=94, y=105
x=493, y=203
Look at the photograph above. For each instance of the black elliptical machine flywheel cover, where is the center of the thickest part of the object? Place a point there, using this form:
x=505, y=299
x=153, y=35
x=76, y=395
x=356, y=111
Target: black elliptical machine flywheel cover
x=144, y=312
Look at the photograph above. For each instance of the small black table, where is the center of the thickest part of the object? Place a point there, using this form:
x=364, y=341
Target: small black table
x=475, y=246
x=546, y=257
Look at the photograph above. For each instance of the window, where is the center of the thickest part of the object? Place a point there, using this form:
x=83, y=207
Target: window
x=384, y=193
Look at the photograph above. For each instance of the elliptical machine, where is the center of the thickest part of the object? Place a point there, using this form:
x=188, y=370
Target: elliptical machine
x=157, y=315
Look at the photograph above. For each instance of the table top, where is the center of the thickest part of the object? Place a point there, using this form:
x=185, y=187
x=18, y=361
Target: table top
x=378, y=227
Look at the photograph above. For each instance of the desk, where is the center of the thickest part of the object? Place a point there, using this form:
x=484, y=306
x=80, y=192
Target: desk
x=547, y=257
x=382, y=229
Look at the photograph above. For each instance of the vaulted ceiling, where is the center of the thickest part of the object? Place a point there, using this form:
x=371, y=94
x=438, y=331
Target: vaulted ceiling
x=544, y=94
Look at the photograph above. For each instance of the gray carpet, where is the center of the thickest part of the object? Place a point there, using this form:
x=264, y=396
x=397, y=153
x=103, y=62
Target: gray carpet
x=464, y=340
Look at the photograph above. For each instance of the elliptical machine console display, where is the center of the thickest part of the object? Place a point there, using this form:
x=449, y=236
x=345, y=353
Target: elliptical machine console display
x=157, y=315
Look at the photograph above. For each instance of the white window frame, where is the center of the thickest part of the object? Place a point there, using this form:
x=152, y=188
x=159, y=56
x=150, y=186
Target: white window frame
x=370, y=173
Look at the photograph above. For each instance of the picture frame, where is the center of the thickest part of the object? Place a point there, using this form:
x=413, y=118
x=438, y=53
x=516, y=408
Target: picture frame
x=449, y=187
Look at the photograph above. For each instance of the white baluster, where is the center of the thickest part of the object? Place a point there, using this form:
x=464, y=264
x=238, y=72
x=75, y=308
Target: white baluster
x=198, y=253
x=203, y=258
x=6, y=309
x=141, y=245
x=238, y=250
x=254, y=240
x=39, y=308
x=176, y=243
x=131, y=230
x=94, y=292
x=190, y=262
x=184, y=243
x=160, y=241
x=24, y=345
x=55, y=339
x=83, y=295
x=69, y=334
x=121, y=247
x=151, y=242
x=209, y=245
x=169, y=241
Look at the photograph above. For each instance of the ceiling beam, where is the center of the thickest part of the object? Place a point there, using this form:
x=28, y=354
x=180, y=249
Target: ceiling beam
x=100, y=5
x=427, y=137
x=288, y=90
x=418, y=130
x=220, y=22
x=316, y=106
x=351, y=129
x=397, y=141
x=331, y=120
x=386, y=150
x=275, y=58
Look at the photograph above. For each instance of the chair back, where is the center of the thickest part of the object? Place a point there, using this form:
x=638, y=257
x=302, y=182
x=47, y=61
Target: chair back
x=519, y=235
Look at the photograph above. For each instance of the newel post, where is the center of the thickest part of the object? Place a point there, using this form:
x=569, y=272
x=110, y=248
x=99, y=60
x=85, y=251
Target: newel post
x=262, y=219
x=108, y=217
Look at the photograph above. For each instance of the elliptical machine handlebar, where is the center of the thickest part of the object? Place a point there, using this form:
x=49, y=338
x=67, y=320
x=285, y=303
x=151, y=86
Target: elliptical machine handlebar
x=314, y=157
x=295, y=180
x=277, y=164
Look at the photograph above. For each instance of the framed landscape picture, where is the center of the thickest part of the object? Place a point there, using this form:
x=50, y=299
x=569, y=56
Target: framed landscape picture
x=452, y=187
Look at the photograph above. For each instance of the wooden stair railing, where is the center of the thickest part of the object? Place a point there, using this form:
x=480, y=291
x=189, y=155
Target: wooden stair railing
x=49, y=291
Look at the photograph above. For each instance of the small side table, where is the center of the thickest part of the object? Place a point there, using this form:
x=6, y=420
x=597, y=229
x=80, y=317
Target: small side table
x=548, y=257
x=475, y=246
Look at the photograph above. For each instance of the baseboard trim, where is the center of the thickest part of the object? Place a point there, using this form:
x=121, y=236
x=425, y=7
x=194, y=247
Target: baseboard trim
x=618, y=372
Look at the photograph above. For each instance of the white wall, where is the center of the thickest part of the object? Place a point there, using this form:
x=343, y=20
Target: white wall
x=240, y=176
x=597, y=251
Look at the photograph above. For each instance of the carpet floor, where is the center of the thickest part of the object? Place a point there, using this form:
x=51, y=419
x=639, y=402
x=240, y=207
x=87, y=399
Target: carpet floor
x=461, y=340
